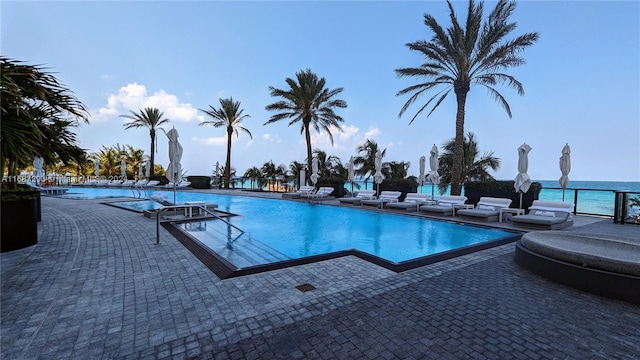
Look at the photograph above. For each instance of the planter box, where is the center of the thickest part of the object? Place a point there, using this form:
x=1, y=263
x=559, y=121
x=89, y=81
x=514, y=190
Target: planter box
x=200, y=182
x=19, y=224
x=473, y=196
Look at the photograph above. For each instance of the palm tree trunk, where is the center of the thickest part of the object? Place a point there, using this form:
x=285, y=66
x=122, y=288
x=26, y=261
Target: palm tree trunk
x=152, y=133
x=227, y=168
x=458, y=148
x=307, y=136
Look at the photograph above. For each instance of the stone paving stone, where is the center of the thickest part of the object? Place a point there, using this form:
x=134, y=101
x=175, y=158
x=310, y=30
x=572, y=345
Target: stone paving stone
x=97, y=286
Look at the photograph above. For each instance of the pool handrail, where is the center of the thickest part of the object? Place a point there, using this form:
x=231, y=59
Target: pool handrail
x=184, y=206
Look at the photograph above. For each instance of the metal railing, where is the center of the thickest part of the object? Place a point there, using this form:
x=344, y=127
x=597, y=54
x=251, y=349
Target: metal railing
x=184, y=207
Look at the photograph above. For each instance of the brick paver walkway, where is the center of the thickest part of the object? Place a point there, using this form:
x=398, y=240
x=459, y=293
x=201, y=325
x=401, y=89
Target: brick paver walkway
x=97, y=286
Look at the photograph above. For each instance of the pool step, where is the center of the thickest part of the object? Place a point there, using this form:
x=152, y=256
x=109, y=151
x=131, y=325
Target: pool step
x=242, y=252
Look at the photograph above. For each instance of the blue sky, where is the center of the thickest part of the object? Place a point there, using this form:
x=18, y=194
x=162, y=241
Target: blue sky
x=581, y=80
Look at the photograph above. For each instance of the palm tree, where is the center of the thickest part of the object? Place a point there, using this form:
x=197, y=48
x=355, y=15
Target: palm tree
x=254, y=174
x=395, y=169
x=365, y=161
x=271, y=172
x=307, y=101
x=294, y=171
x=328, y=166
x=473, y=169
x=150, y=118
x=457, y=57
x=229, y=115
x=37, y=112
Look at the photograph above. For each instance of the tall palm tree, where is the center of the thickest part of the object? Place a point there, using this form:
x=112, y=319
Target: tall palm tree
x=150, y=118
x=365, y=161
x=473, y=169
x=229, y=116
x=456, y=57
x=308, y=102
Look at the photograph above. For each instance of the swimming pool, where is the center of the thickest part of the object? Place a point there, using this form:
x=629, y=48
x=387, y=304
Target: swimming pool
x=286, y=232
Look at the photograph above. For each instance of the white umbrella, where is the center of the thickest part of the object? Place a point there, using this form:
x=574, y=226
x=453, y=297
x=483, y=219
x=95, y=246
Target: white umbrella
x=565, y=167
x=421, y=177
x=140, y=166
x=217, y=175
x=147, y=169
x=123, y=169
x=377, y=176
x=314, y=170
x=351, y=174
x=38, y=172
x=522, y=182
x=174, y=171
x=96, y=167
x=434, y=177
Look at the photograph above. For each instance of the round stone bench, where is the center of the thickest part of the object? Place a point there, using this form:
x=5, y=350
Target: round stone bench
x=607, y=265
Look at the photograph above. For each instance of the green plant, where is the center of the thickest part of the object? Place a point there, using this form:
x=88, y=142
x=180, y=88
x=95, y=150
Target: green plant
x=13, y=192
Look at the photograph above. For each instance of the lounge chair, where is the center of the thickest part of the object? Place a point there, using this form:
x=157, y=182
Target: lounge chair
x=151, y=183
x=357, y=199
x=384, y=198
x=104, y=182
x=129, y=183
x=411, y=202
x=546, y=215
x=487, y=209
x=321, y=194
x=183, y=184
x=114, y=183
x=445, y=204
x=305, y=189
x=140, y=183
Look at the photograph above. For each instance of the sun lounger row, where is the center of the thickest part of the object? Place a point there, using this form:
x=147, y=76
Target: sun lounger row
x=547, y=215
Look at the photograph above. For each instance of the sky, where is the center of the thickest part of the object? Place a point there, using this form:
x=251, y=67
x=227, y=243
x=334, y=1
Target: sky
x=581, y=79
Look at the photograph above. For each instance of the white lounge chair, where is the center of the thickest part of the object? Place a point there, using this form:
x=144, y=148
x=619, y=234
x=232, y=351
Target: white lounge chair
x=384, y=198
x=487, y=209
x=546, y=215
x=140, y=183
x=104, y=182
x=183, y=184
x=304, y=189
x=151, y=183
x=321, y=194
x=114, y=183
x=411, y=202
x=357, y=199
x=444, y=205
x=129, y=183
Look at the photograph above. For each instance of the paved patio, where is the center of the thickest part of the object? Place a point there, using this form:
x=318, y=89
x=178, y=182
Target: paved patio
x=97, y=287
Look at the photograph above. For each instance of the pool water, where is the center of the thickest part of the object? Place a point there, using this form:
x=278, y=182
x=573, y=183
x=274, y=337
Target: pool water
x=276, y=230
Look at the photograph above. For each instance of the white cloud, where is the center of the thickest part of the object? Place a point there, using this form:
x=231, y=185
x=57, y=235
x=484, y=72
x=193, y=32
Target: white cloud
x=107, y=77
x=134, y=97
x=372, y=133
x=215, y=141
x=272, y=138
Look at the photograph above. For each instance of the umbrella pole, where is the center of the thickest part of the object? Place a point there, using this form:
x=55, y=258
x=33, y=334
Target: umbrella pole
x=563, y=194
x=432, y=191
x=520, y=199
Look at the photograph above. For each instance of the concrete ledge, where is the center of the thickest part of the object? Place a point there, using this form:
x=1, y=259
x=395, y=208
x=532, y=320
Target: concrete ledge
x=606, y=265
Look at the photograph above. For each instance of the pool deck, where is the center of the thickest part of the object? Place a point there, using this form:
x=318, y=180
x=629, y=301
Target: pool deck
x=96, y=286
